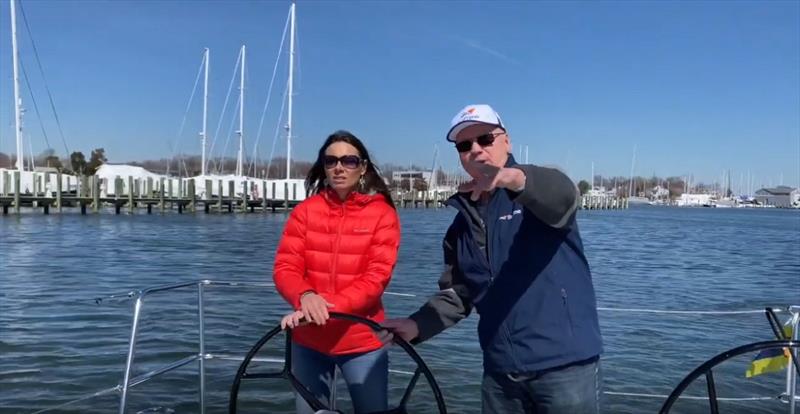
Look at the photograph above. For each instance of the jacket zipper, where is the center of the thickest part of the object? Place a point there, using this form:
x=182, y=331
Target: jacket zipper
x=332, y=280
x=566, y=310
x=510, y=344
x=486, y=241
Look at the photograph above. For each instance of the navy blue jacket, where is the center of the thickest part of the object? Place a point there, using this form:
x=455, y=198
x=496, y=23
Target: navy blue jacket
x=519, y=261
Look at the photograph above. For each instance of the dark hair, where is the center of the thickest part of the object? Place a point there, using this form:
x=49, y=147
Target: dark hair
x=373, y=182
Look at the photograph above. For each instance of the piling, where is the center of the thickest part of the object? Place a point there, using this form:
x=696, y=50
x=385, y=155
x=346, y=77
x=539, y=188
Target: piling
x=219, y=204
x=161, y=194
x=16, y=191
x=286, y=196
x=58, y=191
x=118, y=188
x=192, y=196
x=169, y=193
x=130, y=194
x=95, y=193
x=244, y=197
x=47, y=192
x=231, y=195
x=274, y=198
x=264, y=196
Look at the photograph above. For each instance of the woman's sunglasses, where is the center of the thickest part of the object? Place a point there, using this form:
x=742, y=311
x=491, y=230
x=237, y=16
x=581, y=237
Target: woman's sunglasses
x=484, y=140
x=351, y=162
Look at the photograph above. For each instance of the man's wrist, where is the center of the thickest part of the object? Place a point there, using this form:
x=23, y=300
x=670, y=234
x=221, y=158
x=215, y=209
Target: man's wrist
x=517, y=180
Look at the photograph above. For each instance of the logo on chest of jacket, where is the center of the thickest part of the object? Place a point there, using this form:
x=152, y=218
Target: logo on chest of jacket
x=510, y=216
x=360, y=230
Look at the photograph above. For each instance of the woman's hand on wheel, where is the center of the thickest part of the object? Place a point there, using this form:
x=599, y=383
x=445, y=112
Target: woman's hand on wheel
x=315, y=308
x=292, y=320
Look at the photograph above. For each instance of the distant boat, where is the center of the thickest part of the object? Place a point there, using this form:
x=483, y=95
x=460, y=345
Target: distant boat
x=725, y=203
x=638, y=201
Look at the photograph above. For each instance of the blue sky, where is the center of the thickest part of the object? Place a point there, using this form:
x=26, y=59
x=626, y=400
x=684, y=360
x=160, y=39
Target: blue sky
x=697, y=87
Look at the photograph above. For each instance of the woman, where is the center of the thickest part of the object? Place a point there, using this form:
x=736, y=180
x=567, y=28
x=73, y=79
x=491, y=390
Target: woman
x=337, y=253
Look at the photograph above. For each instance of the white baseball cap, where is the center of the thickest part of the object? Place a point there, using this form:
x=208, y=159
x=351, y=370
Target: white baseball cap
x=471, y=115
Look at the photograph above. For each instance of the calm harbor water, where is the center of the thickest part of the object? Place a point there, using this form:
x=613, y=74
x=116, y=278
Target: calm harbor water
x=57, y=344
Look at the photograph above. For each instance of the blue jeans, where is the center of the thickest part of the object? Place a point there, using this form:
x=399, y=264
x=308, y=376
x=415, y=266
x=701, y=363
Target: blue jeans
x=366, y=375
x=572, y=389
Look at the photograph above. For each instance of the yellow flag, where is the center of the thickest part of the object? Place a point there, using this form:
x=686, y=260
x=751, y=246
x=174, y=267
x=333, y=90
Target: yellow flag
x=770, y=360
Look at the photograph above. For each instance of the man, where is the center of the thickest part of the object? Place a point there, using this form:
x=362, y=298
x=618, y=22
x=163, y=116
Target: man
x=514, y=253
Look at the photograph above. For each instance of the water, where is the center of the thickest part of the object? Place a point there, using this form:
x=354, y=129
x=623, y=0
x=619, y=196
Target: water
x=57, y=344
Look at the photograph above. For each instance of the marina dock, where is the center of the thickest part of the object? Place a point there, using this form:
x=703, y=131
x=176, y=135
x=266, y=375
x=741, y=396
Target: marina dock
x=132, y=195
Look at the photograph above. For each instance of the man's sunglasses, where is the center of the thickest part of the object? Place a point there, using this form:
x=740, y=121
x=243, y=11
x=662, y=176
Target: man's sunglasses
x=351, y=162
x=484, y=140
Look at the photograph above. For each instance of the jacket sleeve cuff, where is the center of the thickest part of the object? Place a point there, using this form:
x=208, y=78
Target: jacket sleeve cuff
x=294, y=298
x=428, y=324
x=549, y=194
x=303, y=293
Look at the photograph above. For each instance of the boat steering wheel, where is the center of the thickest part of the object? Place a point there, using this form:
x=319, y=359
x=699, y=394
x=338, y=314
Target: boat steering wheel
x=308, y=396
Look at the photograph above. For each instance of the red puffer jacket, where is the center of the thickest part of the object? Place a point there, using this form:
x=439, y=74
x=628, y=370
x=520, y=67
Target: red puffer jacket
x=345, y=251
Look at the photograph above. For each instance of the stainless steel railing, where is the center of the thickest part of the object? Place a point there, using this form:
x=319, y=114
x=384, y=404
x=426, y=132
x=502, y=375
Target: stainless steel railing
x=790, y=394
x=200, y=357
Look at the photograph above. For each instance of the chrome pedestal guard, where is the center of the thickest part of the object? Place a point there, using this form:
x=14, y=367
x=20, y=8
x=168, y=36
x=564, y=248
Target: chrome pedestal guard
x=707, y=367
x=316, y=405
x=792, y=344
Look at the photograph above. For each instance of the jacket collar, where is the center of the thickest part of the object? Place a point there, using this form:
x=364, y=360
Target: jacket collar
x=355, y=198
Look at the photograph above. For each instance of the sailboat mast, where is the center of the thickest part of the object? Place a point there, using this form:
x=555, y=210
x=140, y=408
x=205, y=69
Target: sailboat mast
x=633, y=163
x=207, y=55
x=291, y=87
x=434, y=182
x=17, y=99
x=239, y=159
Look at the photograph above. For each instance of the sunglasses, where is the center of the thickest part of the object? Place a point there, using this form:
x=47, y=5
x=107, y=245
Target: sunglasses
x=484, y=140
x=351, y=162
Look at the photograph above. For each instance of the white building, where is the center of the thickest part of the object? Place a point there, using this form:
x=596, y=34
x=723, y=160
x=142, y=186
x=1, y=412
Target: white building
x=781, y=196
x=659, y=192
x=410, y=175
x=108, y=174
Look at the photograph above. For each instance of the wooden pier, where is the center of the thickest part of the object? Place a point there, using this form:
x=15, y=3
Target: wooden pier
x=603, y=203
x=138, y=195
x=422, y=199
x=145, y=195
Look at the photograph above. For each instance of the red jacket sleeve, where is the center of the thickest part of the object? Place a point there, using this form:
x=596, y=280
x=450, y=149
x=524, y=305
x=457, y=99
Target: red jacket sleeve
x=365, y=291
x=290, y=260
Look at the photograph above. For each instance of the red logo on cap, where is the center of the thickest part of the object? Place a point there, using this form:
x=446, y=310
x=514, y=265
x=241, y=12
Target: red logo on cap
x=467, y=112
